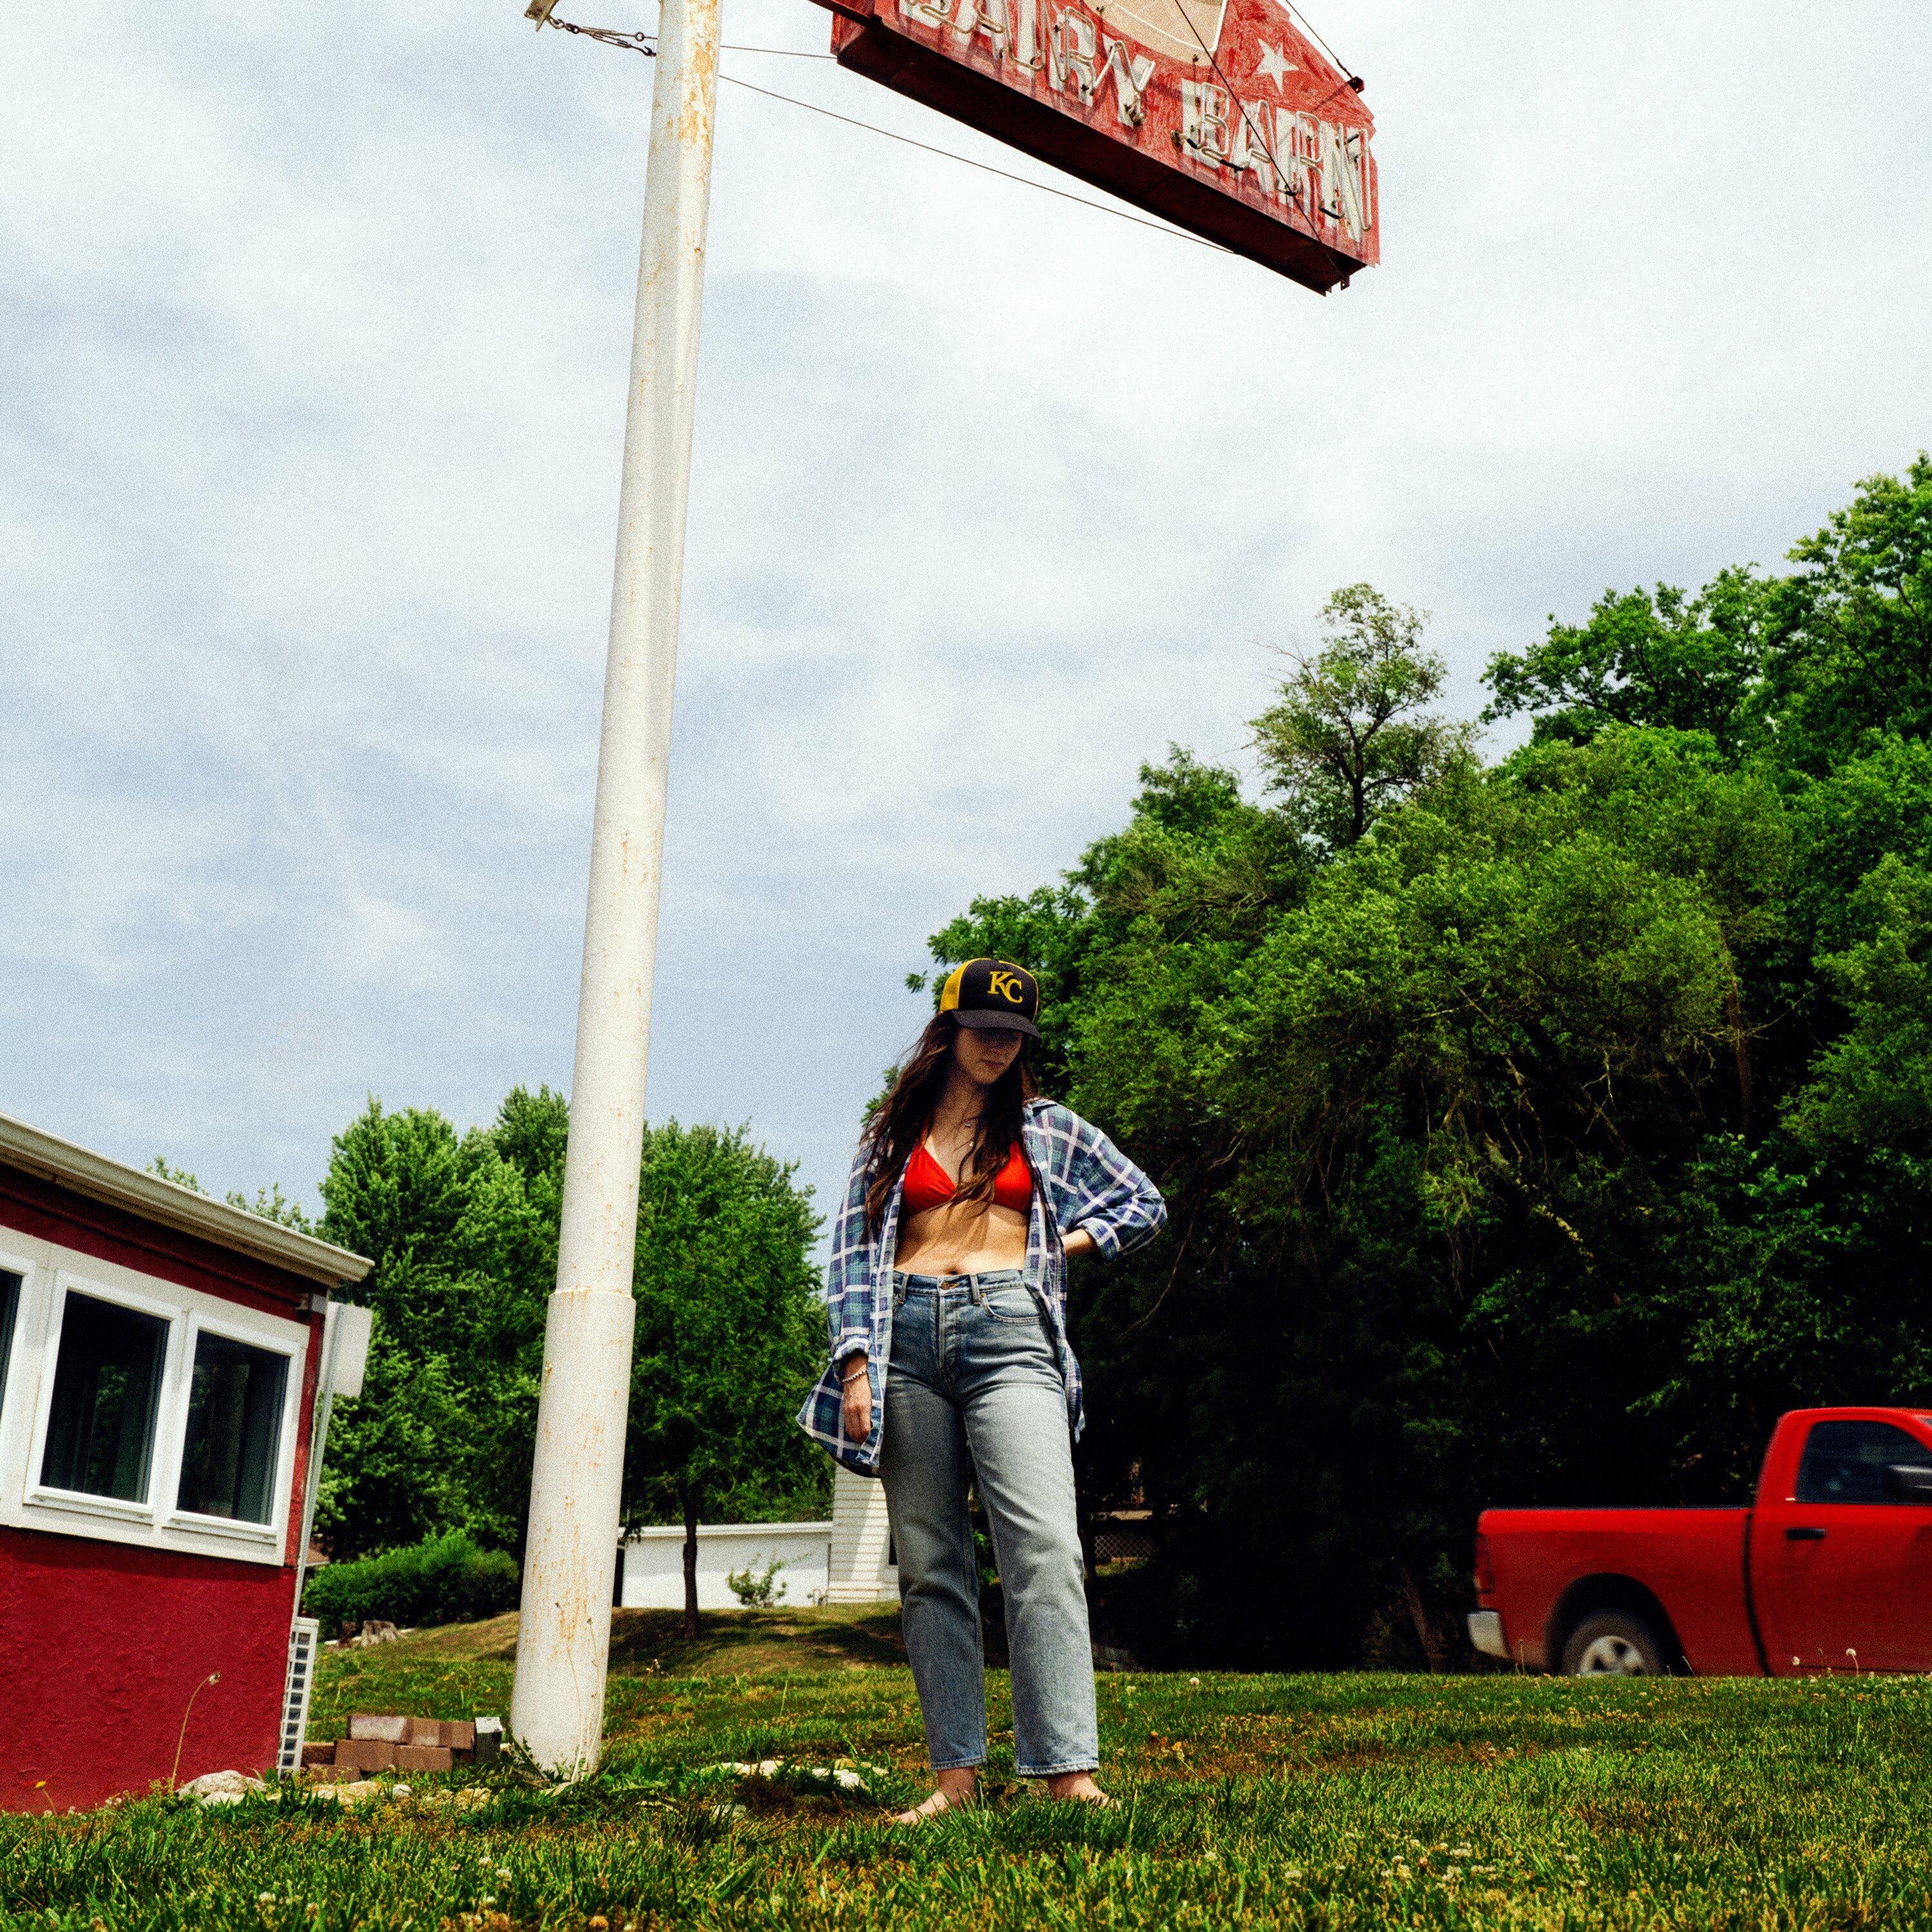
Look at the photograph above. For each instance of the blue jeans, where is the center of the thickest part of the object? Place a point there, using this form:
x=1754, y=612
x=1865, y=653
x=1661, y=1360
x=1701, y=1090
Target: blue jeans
x=974, y=1392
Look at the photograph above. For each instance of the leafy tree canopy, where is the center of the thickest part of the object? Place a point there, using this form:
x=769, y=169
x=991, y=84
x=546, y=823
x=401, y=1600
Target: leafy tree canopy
x=1535, y=1132
x=1349, y=733
x=462, y=1229
x=1812, y=669
x=730, y=1335
x=1683, y=663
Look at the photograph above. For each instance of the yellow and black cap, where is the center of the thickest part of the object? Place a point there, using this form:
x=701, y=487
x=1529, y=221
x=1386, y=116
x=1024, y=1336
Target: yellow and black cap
x=992, y=994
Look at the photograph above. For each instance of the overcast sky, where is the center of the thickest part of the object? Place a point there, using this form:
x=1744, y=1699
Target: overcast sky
x=314, y=326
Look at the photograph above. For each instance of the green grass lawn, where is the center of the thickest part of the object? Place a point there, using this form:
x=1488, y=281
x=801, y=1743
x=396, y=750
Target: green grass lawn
x=1328, y=1801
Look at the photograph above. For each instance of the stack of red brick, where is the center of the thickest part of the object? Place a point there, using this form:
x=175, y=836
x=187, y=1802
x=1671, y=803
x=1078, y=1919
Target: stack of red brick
x=381, y=1742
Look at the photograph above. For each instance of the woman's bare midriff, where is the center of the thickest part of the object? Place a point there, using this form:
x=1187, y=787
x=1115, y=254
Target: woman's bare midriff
x=951, y=1240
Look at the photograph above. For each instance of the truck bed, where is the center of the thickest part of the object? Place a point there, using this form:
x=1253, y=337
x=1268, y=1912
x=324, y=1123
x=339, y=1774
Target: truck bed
x=1542, y=1561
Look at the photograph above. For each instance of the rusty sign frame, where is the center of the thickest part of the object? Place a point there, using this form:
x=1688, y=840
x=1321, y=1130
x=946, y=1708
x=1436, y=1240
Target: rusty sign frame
x=1220, y=116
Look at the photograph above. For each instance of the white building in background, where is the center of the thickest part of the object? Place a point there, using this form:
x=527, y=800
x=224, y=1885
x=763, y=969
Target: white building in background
x=862, y=1567
x=650, y=1563
x=848, y=1560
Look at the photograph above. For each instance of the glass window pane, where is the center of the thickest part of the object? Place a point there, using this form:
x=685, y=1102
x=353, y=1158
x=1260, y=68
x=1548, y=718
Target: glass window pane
x=234, y=1430
x=9, y=1302
x=101, y=1433
x=1845, y=1462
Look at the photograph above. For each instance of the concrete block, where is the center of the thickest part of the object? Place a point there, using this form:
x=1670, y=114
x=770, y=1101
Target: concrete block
x=448, y=1733
x=423, y=1757
x=365, y=1753
x=489, y=1738
x=323, y=1753
x=329, y=1773
x=388, y=1729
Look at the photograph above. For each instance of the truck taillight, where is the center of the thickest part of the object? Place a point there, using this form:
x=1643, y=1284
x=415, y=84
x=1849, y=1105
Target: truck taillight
x=1485, y=1580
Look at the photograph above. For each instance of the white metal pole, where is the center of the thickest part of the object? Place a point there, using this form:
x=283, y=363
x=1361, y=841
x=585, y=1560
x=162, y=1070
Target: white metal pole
x=557, y=1709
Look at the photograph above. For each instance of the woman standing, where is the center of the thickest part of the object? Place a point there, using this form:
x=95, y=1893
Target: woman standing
x=950, y=1363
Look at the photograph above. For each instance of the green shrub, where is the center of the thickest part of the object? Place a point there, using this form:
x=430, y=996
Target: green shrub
x=442, y=1579
x=755, y=1590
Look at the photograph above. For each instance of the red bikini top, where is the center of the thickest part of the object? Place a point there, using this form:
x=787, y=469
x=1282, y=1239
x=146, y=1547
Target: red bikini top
x=929, y=1185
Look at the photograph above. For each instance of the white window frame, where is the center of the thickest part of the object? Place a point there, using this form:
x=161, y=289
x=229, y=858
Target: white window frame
x=47, y=1276
x=16, y=1368
x=200, y=1323
x=161, y=1466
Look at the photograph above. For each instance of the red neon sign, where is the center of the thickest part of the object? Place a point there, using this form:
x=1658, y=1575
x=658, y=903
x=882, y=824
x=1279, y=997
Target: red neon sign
x=1219, y=115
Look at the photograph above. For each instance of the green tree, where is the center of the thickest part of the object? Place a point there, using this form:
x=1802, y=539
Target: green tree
x=270, y=1204
x=1853, y=656
x=395, y=1467
x=1540, y=1146
x=1449, y=1087
x=463, y=1230
x=464, y=1245
x=1874, y=1084
x=729, y=1337
x=1349, y=733
x=1805, y=667
x=1681, y=663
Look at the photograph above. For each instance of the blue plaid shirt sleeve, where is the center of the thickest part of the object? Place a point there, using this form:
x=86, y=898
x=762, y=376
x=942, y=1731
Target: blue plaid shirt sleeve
x=848, y=1297
x=850, y=1313
x=1098, y=1188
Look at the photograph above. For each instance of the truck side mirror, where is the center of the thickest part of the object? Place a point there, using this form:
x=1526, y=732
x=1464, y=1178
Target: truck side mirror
x=1908, y=1482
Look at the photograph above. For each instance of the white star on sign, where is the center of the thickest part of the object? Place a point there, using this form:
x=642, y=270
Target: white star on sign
x=1273, y=63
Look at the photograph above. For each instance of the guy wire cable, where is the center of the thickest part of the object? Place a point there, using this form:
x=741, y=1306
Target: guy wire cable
x=642, y=44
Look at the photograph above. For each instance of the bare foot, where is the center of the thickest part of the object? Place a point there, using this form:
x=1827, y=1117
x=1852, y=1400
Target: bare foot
x=954, y=1793
x=1079, y=1786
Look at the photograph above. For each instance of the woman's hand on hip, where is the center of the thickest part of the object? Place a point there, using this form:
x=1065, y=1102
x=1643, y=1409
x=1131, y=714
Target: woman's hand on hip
x=858, y=1403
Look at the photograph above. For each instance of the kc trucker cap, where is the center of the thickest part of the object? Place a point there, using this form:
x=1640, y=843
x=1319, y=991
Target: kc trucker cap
x=992, y=993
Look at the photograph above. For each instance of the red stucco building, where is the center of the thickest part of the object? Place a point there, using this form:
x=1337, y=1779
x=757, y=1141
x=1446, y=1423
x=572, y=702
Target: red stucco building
x=161, y=1354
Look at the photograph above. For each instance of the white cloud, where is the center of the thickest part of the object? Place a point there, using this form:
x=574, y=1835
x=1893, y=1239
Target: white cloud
x=315, y=339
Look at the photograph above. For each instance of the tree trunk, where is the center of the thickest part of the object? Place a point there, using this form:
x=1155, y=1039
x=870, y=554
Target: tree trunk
x=1735, y=1011
x=689, y=1499
x=1431, y=1638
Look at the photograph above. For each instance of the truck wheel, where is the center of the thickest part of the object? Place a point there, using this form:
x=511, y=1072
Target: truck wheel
x=1613, y=1643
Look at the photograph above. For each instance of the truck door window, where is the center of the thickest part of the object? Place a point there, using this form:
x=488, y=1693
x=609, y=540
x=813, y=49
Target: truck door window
x=1845, y=1462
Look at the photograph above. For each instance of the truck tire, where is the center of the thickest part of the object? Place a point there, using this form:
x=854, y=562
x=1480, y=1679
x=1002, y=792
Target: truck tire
x=1613, y=1643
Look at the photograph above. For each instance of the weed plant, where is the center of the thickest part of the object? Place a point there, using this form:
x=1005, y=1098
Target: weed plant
x=1327, y=1801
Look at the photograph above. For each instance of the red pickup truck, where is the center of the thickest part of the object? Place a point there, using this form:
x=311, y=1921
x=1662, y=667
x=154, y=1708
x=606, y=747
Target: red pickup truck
x=1830, y=1569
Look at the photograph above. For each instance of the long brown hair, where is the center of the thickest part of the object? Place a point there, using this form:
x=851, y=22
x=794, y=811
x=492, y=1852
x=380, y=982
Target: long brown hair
x=906, y=1111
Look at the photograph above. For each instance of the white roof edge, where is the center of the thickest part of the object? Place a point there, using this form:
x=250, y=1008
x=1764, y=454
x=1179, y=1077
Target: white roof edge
x=94, y=1175
x=676, y=1529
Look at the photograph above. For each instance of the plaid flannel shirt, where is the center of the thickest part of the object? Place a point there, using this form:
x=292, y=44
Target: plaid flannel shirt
x=1081, y=1180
